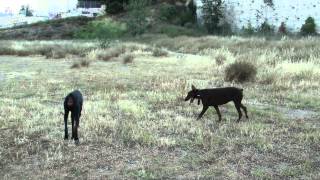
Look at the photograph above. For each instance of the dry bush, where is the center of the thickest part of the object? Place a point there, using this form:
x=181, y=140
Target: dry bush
x=55, y=54
x=49, y=49
x=240, y=72
x=132, y=47
x=127, y=58
x=108, y=54
x=268, y=77
x=158, y=52
x=220, y=59
x=148, y=49
x=80, y=64
x=85, y=63
x=76, y=65
x=6, y=51
x=186, y=44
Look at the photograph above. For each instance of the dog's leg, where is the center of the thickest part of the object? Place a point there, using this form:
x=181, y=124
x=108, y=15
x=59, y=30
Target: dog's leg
x=244, y=109
x=204, y=109
x=239, y=110
x=66, y=113
x=218, y=112
x=72, y=123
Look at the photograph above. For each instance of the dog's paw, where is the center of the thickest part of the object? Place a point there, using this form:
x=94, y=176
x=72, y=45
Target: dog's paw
x=76, y=142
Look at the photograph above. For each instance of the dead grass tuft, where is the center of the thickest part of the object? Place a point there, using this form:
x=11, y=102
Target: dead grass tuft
x=127, y=58
x=241, y=71
x=159, y=52
x=80, y=64
x=220, y=59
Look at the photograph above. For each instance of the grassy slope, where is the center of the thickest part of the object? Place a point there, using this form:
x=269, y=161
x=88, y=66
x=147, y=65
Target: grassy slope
x=136, y=124
x=53, y=29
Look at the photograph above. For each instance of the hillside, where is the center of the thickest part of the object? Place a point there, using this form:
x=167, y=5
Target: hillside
x=53, y=29
x=164, y=17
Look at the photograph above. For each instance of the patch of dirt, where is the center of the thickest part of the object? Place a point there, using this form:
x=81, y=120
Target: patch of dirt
x=290, y=113
x=2, y=77
x=299, y=113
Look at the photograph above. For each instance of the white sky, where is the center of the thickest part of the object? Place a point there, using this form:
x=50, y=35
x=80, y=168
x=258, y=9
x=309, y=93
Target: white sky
x=42, y=7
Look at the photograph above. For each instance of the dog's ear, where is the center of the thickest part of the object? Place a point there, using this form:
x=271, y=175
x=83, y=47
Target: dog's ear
x=193, y=87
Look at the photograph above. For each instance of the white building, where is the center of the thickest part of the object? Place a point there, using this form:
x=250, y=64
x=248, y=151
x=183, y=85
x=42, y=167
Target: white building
x=47, y=9
x=292, y=12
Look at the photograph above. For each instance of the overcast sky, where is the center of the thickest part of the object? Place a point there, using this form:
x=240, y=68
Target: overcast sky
x=41, y=7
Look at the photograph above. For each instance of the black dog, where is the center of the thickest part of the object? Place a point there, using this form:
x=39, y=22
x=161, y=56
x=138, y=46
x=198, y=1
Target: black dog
x=73, y=102
x=216, y=97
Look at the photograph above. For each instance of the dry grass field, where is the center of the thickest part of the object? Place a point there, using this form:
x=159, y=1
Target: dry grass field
x=135, y=123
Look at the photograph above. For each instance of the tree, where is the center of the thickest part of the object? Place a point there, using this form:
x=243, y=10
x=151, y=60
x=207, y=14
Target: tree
x=25, y=10
x=248, y=30
x=265, y=28
x=137, y=13
x=212, y=15
x=282, y=29
x=269, y=3
x=309, y=27
x=115, y=6
x=193, y=9
x=29, y=12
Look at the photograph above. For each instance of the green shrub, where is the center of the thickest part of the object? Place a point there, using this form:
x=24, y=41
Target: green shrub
x=136, y=21
x=240, y=72
x=309, y=27
x=186, y=16
x=103, y=29
x=266, y=29
x=248, y=30
x=226, y=29
x=174, y=31
x=116, y=6
x=167, y=12
x=176, y=15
